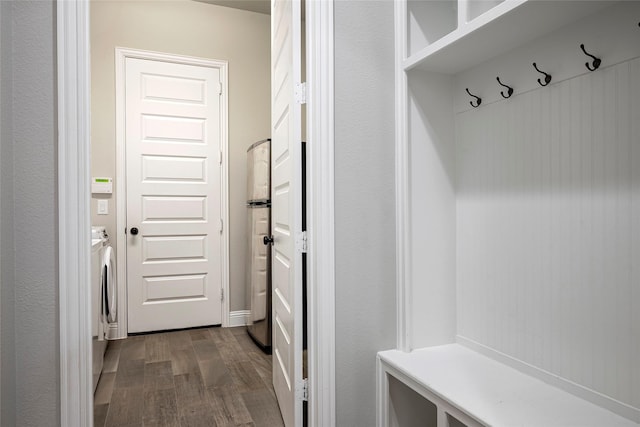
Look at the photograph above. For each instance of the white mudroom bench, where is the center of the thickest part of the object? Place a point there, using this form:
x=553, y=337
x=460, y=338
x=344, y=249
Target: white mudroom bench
x=469, y=389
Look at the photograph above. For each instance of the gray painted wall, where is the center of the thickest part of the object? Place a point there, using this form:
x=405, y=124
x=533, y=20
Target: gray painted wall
x=7, y=279
x=29, y=257
x=365, y=202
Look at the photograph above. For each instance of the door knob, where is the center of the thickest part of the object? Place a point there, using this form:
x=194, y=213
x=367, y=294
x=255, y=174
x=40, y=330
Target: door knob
x=134, y=231
x=267, y=240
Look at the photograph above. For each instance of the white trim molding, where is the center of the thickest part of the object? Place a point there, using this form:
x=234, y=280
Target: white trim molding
x=321, y=233
x=121, y=54
x=403, y=219
x=76, y=403
x=238, y=318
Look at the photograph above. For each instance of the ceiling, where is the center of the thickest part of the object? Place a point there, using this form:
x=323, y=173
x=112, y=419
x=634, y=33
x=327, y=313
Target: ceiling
x=260, y=6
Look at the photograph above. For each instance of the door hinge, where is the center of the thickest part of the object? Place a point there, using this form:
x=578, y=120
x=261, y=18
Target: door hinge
x=221, y=225
x=220, y=157
x=221, y=294
x=219, y=88
x=301, y=242
x=303, y=390
x=301, y=93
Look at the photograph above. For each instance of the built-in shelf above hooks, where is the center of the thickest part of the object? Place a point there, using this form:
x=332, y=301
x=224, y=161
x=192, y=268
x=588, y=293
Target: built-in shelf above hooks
x=457, y=50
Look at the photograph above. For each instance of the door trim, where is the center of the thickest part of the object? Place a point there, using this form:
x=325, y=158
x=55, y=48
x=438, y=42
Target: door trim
x=73, y=67
x=74, y=219
x=320, y=213
x=121, y=55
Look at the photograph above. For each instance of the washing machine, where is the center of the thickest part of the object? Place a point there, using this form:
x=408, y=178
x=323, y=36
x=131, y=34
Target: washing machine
x=103, y=295
x=99, y=344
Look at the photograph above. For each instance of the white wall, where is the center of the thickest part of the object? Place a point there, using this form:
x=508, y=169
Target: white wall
x=30, y=359
x=195, y=29
x=365, y=203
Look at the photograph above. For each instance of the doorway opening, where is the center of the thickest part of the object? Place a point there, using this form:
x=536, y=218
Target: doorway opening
x=73, y=60
x=167, y=205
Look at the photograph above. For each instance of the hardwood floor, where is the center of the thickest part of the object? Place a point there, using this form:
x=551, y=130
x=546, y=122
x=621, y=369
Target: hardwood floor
x=192, y=378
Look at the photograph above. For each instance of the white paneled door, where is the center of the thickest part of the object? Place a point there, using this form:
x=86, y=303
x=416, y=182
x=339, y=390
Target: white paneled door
x=286, y=191
x=173, y=122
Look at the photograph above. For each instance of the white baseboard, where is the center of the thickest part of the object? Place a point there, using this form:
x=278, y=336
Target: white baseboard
x=239, y=318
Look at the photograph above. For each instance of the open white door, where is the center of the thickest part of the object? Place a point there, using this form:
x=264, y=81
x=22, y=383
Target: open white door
x=286, y=195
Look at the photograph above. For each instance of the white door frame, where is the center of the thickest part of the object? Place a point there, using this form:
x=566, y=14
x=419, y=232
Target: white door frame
x=74, y=218
x=73, y=65
x=320, y=213
x=121, y=54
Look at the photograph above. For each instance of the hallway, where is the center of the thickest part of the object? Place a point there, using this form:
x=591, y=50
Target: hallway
x=197, y=377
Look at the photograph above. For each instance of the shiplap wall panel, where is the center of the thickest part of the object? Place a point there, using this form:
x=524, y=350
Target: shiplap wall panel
x=548, y=229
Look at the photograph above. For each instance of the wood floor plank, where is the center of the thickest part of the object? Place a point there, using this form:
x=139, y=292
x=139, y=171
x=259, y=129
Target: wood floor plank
x=216, y=334
x=190, y=390
x=158, y=376
x=130, y=374
x=209, y=374
x=133, y=348
x=221, y=335
x=157, y=348
x=126, y=407
x=215, y=373
x=179, y=340
x=228, y=406
x=116, y=344
x=245, y=376
x=238, y=330
x=262, y=366
x=160, y=408
x=100, y=414
x=103, y=392
x=206, y=350
x=246, y=343
x=184, y=361
x=197, y=416
x=263, y=408
x=231, y=351
x=199, y=334
x=112, y=356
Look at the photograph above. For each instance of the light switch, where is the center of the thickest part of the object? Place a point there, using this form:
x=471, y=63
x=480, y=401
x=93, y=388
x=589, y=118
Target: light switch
x=103, y=207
